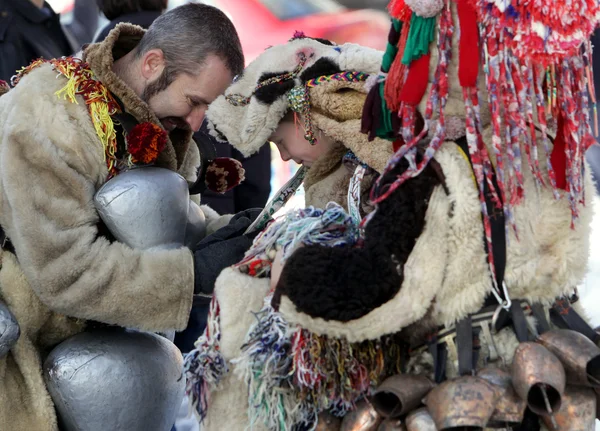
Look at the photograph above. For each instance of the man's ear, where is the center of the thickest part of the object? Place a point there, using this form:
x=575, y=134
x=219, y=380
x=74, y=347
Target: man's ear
x=153, y=64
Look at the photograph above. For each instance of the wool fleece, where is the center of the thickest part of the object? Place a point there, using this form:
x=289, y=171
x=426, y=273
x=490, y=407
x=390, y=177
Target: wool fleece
x=64, y=273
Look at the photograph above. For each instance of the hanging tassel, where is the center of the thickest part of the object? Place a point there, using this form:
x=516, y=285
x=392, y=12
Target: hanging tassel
x=397, y=74
x=399, y=10
x=557, y=157
x=421, y=34
x=415, y=86
x=468, y=50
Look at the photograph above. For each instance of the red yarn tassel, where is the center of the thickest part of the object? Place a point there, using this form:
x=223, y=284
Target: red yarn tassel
x=396, y=75
x=558, y=158
x=416, y=82
x=468, y=52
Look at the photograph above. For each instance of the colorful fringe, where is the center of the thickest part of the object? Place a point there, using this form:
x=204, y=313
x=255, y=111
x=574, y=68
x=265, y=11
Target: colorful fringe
x=293, y=375
x=100, y=102
x=205, y=366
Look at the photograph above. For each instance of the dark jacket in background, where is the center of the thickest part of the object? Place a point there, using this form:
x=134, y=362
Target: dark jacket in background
x=28, y=33
x=593, y=153
x=142, y=18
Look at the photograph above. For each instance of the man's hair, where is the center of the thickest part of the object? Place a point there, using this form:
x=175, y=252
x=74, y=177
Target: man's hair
x=113, y=9
x=187, y=35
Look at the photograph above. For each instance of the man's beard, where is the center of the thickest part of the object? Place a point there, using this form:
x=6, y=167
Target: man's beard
x=155, y=87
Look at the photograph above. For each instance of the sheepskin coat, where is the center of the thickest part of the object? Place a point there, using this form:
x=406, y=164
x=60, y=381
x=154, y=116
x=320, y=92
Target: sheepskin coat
x=64, y=273
x=445, y=277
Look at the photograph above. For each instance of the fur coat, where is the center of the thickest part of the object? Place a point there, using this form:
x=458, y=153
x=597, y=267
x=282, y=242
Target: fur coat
x=64, y=273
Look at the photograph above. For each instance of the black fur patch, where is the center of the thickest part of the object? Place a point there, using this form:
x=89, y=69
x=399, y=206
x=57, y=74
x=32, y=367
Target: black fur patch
x=346, y=283
x=269, y=93
x=323, y=66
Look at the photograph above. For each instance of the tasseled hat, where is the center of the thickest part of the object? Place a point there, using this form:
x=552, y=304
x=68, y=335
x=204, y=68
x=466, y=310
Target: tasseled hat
x=323, y=82
x=453, y=67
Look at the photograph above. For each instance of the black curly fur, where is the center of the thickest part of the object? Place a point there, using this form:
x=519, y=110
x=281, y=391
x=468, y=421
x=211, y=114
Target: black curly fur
x=323, y=66
x=269, y=93
x=346, y=283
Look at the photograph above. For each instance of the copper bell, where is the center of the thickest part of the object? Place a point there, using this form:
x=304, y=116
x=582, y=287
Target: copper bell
x=420, y=420
x=578, y=354
x=510, y=408
x=328, y=422
x=538, y=377
x=466, y=401
x=400, y=394
x=577, y=411
x=363, y=418
x=391, y=425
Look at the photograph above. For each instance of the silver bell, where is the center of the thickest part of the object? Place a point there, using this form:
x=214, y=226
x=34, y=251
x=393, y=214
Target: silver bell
x=9, y=330
x=115, y=379
x=150, y=207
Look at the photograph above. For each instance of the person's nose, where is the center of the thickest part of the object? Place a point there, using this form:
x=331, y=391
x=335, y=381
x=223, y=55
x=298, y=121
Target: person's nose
x=285, y=156
x=195, y=119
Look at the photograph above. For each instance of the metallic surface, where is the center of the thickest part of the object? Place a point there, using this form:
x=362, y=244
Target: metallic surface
x=328, y=422
x=363, y=418
x=420, y=420
x=148, y=207
x=9, y=330
x=195, y=229
x=509, y=408
x=115, y=379
x=535, y=371
x=400, y=394
x=577, y=411
x=466, y=401
x=578, y=354
x=391, y=425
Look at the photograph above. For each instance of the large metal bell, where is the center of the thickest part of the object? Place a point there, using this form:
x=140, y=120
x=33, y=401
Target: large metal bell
x=400, y=394
x=9, y=330
x=578, y=354
x=510, y=408
x=466, y=402
x=328, y=422
x=420, y=420
x=538, y=377
x=363, y=418
x=577, y=411
x=115, y=379
x=391, y=425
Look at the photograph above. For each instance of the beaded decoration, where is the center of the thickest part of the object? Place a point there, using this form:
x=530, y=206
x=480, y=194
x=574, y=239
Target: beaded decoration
x=298, y=97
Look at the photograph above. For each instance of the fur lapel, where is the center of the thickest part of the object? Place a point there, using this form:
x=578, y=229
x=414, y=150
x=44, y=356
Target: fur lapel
x=101, y=56
x=324, y=166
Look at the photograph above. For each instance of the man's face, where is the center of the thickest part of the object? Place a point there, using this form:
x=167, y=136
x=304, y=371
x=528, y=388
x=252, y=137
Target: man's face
x=183, y=103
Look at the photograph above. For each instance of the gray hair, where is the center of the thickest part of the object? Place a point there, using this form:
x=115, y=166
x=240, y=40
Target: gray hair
x=187, y=35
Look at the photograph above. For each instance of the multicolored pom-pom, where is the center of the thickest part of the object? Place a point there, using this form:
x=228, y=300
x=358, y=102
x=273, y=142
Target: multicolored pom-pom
x=223, y=174
x=425, y=8
x=145, y=142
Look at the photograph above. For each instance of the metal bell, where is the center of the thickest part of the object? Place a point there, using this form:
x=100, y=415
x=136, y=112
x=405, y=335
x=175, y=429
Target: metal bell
x=115, y=379
x=9, y=330
x=577, y=411
x=420, y=420
x=400, y=394
x=578, y=354
x=328, y=422
x=510, y=408
x=466, y=401
x=538, y=377
x=391, y=425
x=363, y=418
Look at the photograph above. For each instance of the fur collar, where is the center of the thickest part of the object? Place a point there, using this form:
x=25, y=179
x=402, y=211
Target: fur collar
x=101, y=57
x=324, y=165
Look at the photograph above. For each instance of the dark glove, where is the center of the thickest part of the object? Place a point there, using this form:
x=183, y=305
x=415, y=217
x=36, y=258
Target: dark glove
x=223, y=248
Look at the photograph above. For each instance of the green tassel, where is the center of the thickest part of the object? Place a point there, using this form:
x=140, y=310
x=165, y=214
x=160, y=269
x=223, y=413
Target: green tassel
x=385, y=129
x=420, y=35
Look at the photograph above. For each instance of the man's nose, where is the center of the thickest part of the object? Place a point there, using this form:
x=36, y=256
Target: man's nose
x=195, y=119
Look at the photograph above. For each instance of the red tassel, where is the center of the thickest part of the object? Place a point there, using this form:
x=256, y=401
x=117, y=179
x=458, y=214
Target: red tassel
x=395, y=78
x=558, y=158
x=468, y=52
x=416, y=82
x=399, y=10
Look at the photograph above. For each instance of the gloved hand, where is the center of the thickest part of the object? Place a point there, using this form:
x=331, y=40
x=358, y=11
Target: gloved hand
x=223, y=248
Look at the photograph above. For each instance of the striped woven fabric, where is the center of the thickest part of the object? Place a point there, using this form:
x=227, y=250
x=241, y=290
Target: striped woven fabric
x=342, y=76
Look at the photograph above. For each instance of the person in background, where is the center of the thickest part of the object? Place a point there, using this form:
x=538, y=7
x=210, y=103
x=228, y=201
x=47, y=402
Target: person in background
x=29, y=29
x=138, y=12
